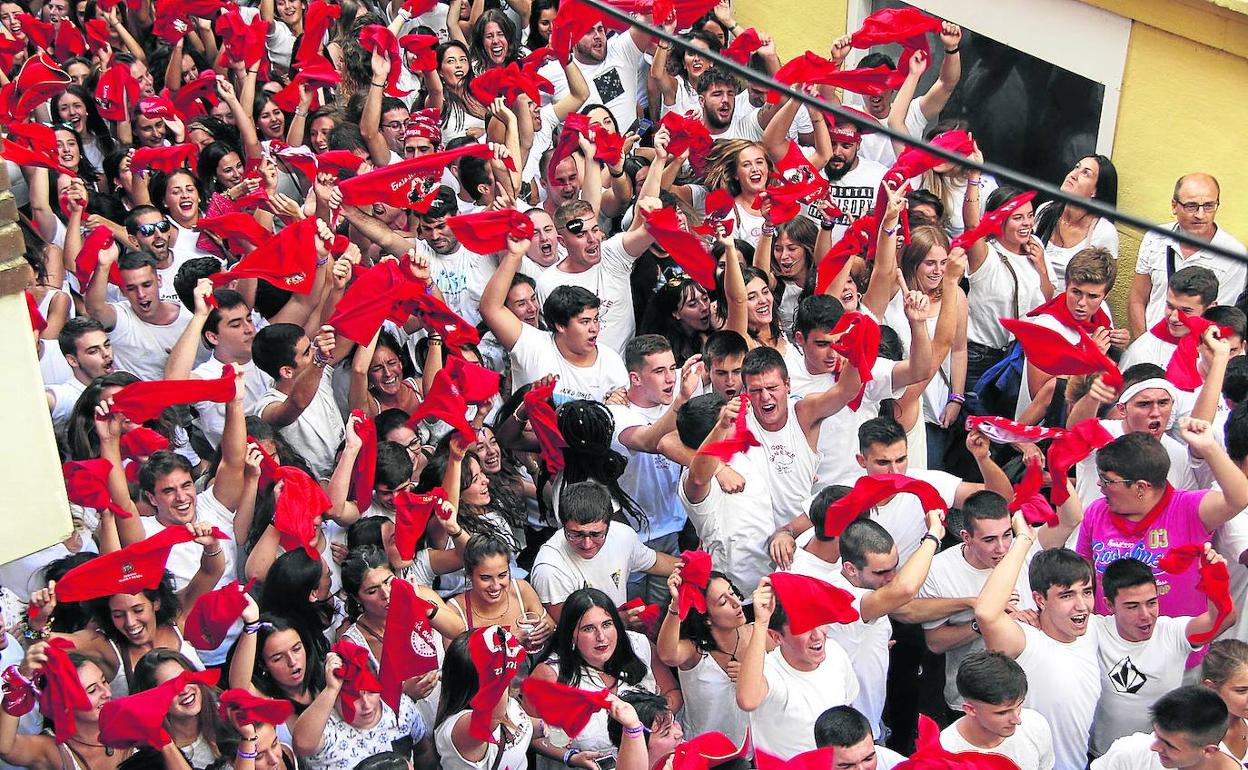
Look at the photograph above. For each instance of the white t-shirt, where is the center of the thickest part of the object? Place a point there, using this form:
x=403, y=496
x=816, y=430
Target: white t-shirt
x=186, y=247
x=904, y=517
x=853, y=193
x=52, y=364
x=801, y=121
x=65, y=395
x=867, y=647
x=535, y=355
x=1132, y=752
x=1231, y=540
x=211, y=415
x=1147, y=348
x=784, y=724
x=558, y=570
x=734, y=528
x=1151, y=261
x=1063, y=684
x=513, y=751
x=613, y=82
x=184, y=558
x=991, y=297
x=876, y=146
x=315, y=435
x=1134, y=675
x=790, y=464
x=650, y=479
x=142, y=348
x=745, y=125
x=1030, y=747
x=1103, y=235
x=342, y=746
x=454, y=273
x=609, y=281
x=952, y=577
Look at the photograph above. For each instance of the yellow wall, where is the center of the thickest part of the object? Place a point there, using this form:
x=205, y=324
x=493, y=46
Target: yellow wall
x=1184, y=104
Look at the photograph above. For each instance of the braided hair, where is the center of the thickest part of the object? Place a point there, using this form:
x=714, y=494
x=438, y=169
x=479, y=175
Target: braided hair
x=587, y=427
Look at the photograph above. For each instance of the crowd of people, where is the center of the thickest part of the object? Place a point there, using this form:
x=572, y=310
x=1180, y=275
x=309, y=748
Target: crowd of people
x=494, y=385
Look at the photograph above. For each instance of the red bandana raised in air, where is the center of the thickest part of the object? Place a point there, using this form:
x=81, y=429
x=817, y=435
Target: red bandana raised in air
x=1027, y=498
x=136, y=568
x=497, y=656
x=410, y=643
x=740, y=440
x=545, y=425
x=810, y=602
x=1051, y=353
x=1214, y=583
x=695, y=574
x=682, y=246
x=143, y=401
x=243, y=708
x=870, y=491
x=411, y=517
x=1072, y=446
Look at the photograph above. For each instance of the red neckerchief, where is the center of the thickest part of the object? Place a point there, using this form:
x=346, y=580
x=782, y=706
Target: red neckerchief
x=1058, y=308
x=1161, y=330
x=1137, y=528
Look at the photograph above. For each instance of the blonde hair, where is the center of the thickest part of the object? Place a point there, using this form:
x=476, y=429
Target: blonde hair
x=922, y=240
x=1225, y=657
x=721, y=164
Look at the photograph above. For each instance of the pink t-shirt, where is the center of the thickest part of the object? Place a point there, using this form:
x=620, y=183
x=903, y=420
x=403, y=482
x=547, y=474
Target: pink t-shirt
x=1101, y=541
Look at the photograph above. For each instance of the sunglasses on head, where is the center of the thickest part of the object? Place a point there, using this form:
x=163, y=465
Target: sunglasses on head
x=151, y=228
x=575, y=226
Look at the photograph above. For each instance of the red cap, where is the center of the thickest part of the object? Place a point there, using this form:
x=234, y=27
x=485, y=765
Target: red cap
x=706, y=751
x=426, y=123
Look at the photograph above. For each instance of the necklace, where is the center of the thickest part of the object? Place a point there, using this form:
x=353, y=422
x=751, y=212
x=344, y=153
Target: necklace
x=366, y=629
x=506, y=608
x=735, y=645
x=108, y=750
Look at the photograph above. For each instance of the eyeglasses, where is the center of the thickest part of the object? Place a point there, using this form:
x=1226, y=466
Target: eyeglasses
x=394, y=125
x=149, y=229
x=576, y=534
x=1101, y=481
x=1192, y=207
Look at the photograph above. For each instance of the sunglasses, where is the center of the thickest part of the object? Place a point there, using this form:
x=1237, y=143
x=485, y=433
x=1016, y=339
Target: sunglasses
x=575, y=226
x=151, y=228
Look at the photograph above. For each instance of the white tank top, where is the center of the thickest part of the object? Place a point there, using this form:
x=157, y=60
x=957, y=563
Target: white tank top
x=120, y=686
x=513, y=752
x=711, y=701
x=790, y=464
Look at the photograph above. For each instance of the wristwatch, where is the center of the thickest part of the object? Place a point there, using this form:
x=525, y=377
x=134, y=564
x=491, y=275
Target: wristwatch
x=975, y=627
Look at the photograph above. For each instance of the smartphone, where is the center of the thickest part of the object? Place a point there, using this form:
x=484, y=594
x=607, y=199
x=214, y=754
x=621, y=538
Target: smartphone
x=644, y=127
x=605, y=763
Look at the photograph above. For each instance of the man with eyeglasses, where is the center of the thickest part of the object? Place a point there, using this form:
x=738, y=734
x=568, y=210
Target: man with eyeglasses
x=149, y=230
x=1195, y=205
x=594, y=551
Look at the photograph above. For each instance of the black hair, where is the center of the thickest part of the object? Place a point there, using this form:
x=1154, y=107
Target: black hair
x=444, y=204
x=476, y=49
x=716, y=76
x=70, y=616
x=1229, y=316
x=660, y=317
x=818, y=510
x=992, y=678
x=158, y=184
x=536, y=39
x=165, y=606
x=819, y=311
x=1197, y=712
x=566, y=302
x=862, y=537
x=314, y=668
x=210, y=158
x=587, y=427
x=1060, y=567
x=623, y=664
x=926, y=198
x=1106, y=192
x=585, y=502
x=840, y=727
x=1235, y=384
x=884, y=431
x=291, y=581
x=1236, y=429
x=1141, y=372
x=696, y=418
x=648, y=707
x=474, y=174
x=762, y=360
x=137, y=260
x=460, y=681
x=481, y=547
x=722, y=344
x=274, y=347
x=696, y=627
x=394, y=465
x=161, y=463
x=1125, y=573
x=984, y=505
x=1195, y=281
x=386, y=760
x=389, y=419
x=1135, y=457
x=357, y=564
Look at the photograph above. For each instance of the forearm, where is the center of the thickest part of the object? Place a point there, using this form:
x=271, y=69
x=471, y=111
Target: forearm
x=1210, y=393
x=704, y=467
x=340, y=481
x=310, y=727
x=995, y=479
x=949, y=636
x=925, y=610
x=994, y=597
x=751, y=683
x=182, y=358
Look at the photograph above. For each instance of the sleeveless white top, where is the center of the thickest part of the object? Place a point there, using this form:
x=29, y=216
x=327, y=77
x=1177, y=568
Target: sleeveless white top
x=711, y=701
x=791, y=465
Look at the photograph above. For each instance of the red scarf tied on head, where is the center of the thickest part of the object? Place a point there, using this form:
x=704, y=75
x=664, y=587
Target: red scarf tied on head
x=1051, y=353
x=810, y=602
x=294, y=516
x=412, y=513
x=682, y=246
x=212, y=615
x=1027, y=498
x=1183, y=369
x=1072, y=446
x=60, y=690
x=870, y=491
x=1214, y=583
x=740, y=440
x=487, y=232
x=86, y=483
x=1059, y=308
x=695, y=575
x=859, y=343
x=566, y=707
x=497, y=656
x=243, y=708
x=545, y=424
x=143, y=401
x=410, y=644
x=137, y=567
x=138, y=720
x=356, y=673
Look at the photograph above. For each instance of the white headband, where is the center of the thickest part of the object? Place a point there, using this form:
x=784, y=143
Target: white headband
x=1155, y=382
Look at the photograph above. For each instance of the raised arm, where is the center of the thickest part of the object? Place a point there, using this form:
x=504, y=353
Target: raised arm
x=931, y=103
x=374, y=230
x=885, y=277
x=734, y=292
x=309, y=732
x=211, y=568
x=905, y=94
x=752, y=685
x=704, y=467
x=905, y=586
x=1216, y=507
x=1001, y=632
x=306, y=382
x=227, y=485
x=504, y=323
x=673, y=650
x=370, y=119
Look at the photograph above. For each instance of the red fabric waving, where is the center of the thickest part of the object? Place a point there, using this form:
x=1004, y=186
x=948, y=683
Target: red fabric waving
x=24, y=156
x=378, y=39
x=115, y=91
x=509, y=82
x=166, y=159
x=1214, y=583
x=930, y=755
x=993, y=221
x=487, y=232
x=477, y=384
x=706, y=751
x=575, y=126
x=740, y=440
x=317, y=20
x=1077, y=443
x=682, y=246
x=440, y=319
x=1059, y=309
x=300, y=503
x=445, y=402
x=422, y=53
x=138, y=720
x=497, y=656
x=869, y=491
x=243, y=708
x=356, y=673
x=410, y=644
x=240, y=231
x=143, y=401
x=859, y=343
x=212, y=615
x=743, y=46
x=141, y=442
x=1051, y=353
x=566, y=707
x=695, y=574
x=364, y=472
x=1183, y=369
x=719, y=207
x=907, y=26
x=688, y=134
x=86, y=483
x=858, y=240
x=786, y=197
x=1027, y=498
x=137, y=567
x=815, y=759
x=810, y=602
x=369, y=299
x=286, y=260
x=398, y=184
x=60, y=690
x=545, y=424
x=412, y=514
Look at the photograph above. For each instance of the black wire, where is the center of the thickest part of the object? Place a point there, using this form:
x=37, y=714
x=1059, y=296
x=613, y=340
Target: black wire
x=1000, y=172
